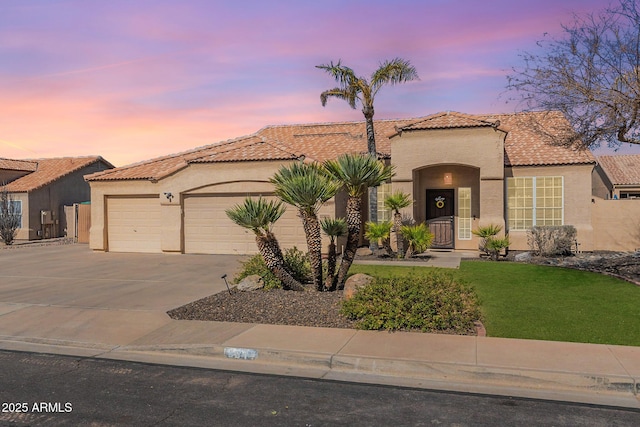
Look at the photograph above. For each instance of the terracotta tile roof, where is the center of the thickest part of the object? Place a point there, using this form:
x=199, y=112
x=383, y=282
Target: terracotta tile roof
x=18, y=165
x=323, y=141
x=622, y=169
x=450, y=120
x=50, y=170
x=525, y=145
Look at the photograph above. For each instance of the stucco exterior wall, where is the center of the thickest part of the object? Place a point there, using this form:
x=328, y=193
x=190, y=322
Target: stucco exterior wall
x=205, y=178
x=577, y=201
x=473, y=156
x=616, y=224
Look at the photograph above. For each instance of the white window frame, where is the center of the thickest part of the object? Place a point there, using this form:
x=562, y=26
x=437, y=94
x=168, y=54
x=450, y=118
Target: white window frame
x=384, y=214
x=534, y=196
x=464, y=221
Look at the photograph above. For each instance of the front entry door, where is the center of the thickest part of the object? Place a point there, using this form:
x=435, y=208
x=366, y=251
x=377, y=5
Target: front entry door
x=440, y=217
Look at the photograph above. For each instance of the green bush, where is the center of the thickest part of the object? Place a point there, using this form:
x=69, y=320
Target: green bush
x=296, y=262
x=431, y=302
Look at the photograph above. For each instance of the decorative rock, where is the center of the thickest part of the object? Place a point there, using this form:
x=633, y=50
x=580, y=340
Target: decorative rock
x=251, y=283
x=354, y=283
x=364, y=252
x=523, y=257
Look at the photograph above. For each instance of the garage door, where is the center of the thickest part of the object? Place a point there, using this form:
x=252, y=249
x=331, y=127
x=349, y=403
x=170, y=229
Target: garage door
x=133, y=224
x=208, y=230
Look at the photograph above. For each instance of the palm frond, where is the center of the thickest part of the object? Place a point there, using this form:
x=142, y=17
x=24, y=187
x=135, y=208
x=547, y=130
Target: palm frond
x=305, y=186
x=334, y=227
x=359, y=171
x=393, y=72
x=397, y=201
x=256, y=214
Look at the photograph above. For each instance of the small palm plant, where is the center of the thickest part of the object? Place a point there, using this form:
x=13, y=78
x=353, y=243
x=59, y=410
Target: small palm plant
x=418, y=236
x=356, y=172
x=395, y=202
x=380, y=231
x=258, y=216
x=489, y=243
x=307, y=186
x=334, y=228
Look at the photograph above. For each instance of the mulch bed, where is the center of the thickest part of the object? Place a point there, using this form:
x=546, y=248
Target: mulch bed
x=275, y=307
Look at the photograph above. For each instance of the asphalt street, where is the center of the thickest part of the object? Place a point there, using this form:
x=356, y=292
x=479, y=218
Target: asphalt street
x=42, y=389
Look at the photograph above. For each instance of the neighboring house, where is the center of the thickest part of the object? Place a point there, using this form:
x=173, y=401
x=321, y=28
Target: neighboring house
x=462, y=171
x=42, y=187
x=618, y=177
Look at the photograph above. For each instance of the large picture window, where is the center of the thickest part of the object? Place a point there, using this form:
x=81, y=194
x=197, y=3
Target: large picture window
x=535, y=201
x=14, y=208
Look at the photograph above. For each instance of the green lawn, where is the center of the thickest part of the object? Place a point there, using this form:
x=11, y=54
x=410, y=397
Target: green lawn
x=546, y=303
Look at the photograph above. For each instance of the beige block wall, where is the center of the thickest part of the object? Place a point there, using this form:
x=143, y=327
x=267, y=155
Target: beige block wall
x=577, y=201
x=616, y=224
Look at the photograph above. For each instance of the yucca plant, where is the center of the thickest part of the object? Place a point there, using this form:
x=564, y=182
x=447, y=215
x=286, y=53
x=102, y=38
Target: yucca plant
x=258, y=216
x=380, y=232
x=418, y=236
x=334, y=228
x=395, y=202
x=356, y=172
x=307, y=186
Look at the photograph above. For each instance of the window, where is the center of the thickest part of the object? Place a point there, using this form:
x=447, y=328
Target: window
x=534, y=201
x=384, y=214
x=14, y=208
x=464, y=213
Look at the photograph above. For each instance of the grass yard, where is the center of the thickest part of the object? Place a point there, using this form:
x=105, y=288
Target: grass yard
x=546, y=303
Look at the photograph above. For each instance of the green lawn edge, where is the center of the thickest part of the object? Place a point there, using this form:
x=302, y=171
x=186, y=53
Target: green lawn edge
x=528, y=301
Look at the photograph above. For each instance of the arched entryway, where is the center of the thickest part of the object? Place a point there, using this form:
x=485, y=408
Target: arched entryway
x=448, y=200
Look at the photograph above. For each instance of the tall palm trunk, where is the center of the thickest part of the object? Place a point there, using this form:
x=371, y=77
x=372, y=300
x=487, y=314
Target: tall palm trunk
x=354, y=222
x=272, y=255
x=311, y=227
x=368, y=112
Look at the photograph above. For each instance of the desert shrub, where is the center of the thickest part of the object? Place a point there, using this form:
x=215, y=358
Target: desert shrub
x=431, y=302
x=296, y=262
x=419, y=238
x=552, y=240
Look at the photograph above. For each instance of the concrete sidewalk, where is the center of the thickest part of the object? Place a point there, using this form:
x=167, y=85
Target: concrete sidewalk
x=55, y=312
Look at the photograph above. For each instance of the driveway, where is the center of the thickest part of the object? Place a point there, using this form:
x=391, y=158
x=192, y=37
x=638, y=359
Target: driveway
x=69, y=294
x=75, y=276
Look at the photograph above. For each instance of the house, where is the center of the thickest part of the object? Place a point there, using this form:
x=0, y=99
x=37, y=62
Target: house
x=462, y=171
x=41, y=187
x=618, y=177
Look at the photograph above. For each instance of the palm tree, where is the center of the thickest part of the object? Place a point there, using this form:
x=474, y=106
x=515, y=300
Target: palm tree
x=354, y=89
x=307, y=186
x=356, y=172
x=419, y=238
x=258, y=216
x=333, y=228
x=380, y=231
x=395, y=202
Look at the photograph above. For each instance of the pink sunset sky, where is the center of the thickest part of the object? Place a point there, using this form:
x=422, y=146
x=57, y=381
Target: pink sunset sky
x=132, y=80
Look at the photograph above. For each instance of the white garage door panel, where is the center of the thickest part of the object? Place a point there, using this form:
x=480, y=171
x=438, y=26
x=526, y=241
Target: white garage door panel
x=208, y=230
x=133, y=224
